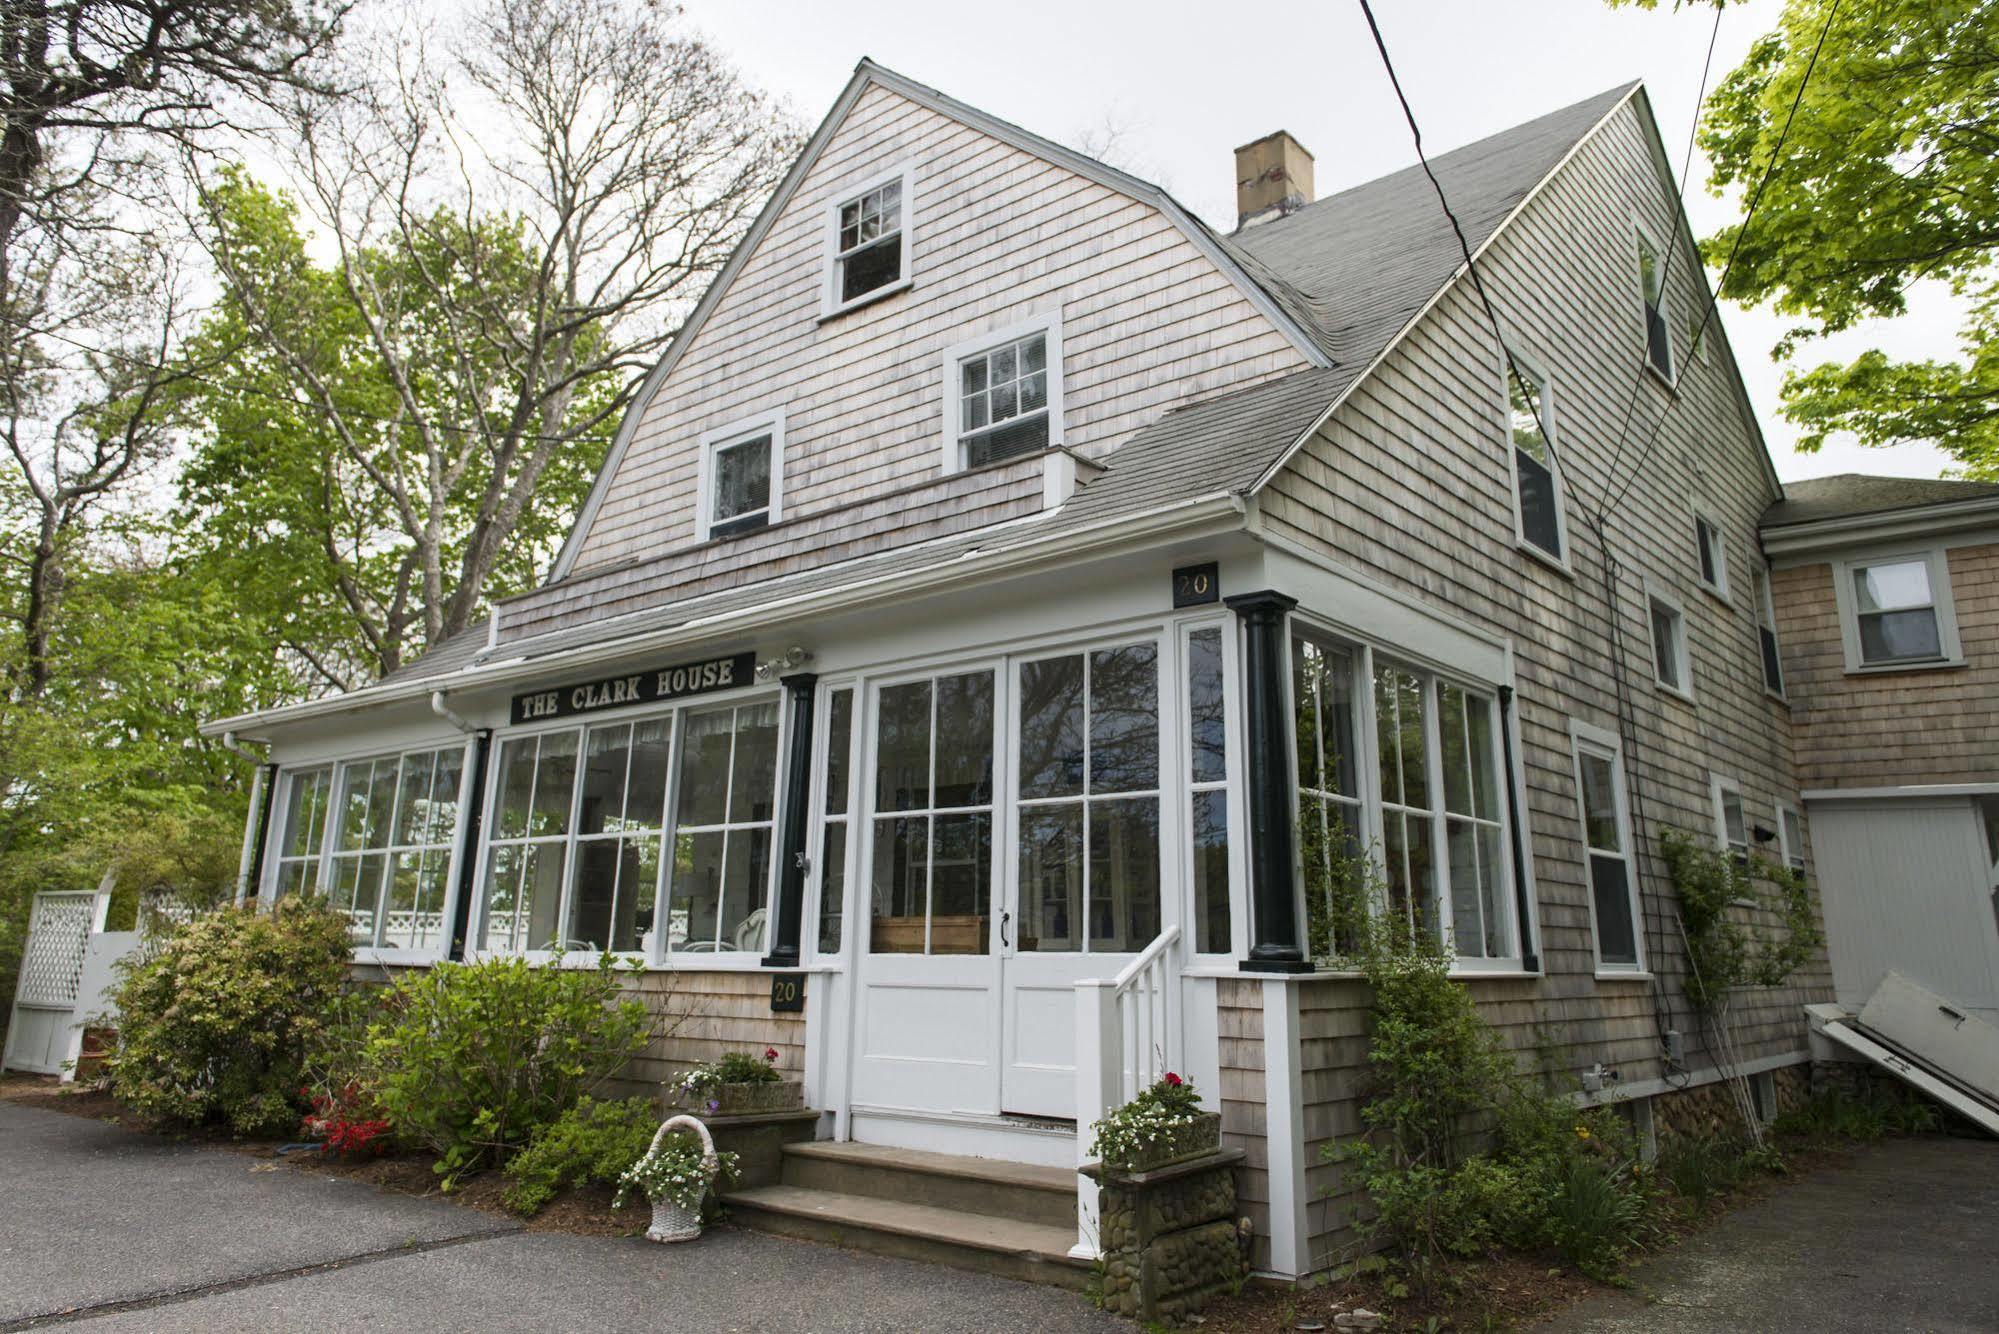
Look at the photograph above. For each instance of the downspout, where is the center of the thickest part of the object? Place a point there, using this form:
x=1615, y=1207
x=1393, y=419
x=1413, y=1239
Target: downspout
x=263, y=790
x=468, y=826
x=1530, y=959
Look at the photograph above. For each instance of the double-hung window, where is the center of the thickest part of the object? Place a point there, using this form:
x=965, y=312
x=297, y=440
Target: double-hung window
x=1004, y=396
x=1896, y=611
x=1711, y=553
x=584, y=841
x=1670, y=668
x=1652, y=290
x=1612, y=871
x=1537, y=485
x=1791, y=836
x=1766, y=634
x=377, y=837
x=868, y=233
x=742, y=477
x=1731, y=823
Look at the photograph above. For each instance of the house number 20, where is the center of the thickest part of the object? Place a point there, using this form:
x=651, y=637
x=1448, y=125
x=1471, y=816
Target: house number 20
x=1194, y=585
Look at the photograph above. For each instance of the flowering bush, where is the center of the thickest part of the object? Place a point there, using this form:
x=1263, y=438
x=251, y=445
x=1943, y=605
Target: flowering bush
x=592, y=1142
x=674, y=1173
x=345, y=1122
x=735, y=1067
x=1154, y=1114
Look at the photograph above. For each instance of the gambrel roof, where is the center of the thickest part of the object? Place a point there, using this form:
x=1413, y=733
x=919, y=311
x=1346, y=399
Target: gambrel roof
x=1344, y=278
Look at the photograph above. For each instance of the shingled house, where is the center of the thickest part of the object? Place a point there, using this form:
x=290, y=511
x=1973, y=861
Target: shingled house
x=999, y=567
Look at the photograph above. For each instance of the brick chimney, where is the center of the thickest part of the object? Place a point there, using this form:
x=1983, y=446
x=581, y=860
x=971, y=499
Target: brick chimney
x=1273, y=177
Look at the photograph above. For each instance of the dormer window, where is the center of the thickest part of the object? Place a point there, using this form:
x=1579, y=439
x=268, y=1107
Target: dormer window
x=1004, y=396
x=869, y=243
x=742, y=477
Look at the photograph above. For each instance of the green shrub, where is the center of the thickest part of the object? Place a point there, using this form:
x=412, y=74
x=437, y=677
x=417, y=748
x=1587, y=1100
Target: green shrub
x=215, y=1022
x=1837, y=1115
x=471, y=1060
x=1597, y=1212
x=591, y=1142
x=1702, y=1168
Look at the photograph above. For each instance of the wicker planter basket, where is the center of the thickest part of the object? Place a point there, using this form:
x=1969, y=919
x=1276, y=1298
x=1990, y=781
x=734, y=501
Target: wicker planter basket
x=670, y=1221
x=1188, y=1141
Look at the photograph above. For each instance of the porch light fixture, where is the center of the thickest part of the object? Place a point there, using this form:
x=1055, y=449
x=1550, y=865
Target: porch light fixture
x=789, y=661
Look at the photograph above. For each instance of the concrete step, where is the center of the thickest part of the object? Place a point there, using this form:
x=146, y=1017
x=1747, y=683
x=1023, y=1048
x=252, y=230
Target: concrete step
x=990, y=1187
x=1036, y=1252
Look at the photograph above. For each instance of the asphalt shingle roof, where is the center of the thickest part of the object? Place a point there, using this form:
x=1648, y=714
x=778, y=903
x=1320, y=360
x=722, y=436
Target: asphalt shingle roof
x=1851, y=494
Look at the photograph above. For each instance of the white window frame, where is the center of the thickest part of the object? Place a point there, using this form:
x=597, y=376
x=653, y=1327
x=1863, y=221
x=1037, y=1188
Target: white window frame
x=1048, y=325
x=1764, y=613
x=830, y=304
x=1644, y=236
x=1941, y=600
x=1531, y=366
x=1793, y=857
x=819, y=797
x=723, y=437
x=1368, y=658
x=1230, y=784
x=661, y=956
x=1704, y=518
x=1720, y=788
x=1681, y=652
x=322, y=857
x=1608, y=746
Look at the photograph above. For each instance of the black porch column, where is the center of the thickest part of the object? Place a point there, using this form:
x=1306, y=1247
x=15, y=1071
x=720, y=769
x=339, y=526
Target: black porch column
x=799, y=692
x=470, y=821
x=1273, y=918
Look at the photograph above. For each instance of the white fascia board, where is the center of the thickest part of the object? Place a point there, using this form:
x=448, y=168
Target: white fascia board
x=1444, y=287
x=1907, y=792
x=866, y=73
x=1201, y=514
x=1978, y=518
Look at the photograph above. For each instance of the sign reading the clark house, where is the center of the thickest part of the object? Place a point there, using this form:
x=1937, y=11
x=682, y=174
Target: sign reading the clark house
x=652, y=686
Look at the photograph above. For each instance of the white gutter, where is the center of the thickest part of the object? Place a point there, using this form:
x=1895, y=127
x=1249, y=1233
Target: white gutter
x=230, y=744
x=974, y=567
x=443, y=710
x=1914, y=521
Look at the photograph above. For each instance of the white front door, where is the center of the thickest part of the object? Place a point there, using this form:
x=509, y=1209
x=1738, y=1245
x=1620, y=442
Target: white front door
x=1014, y=827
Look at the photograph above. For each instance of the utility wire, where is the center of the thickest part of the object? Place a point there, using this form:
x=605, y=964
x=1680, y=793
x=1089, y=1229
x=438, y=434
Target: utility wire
x=1748, y=218
x=1672, y=244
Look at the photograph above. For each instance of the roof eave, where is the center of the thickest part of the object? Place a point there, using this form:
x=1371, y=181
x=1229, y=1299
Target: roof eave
x=1846, y=530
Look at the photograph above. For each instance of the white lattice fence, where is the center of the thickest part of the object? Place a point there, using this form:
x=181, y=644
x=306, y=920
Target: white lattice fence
x=46, y=1031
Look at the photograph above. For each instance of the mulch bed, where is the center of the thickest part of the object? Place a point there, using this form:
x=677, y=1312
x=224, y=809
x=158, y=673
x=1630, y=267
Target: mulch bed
x=585, y=1211
x=1497, y=1293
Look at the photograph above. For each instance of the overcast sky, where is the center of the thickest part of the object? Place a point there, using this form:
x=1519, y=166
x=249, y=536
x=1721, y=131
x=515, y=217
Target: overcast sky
x=1186, y=82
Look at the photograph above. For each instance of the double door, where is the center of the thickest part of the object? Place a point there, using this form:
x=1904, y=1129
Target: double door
x=1013, y=821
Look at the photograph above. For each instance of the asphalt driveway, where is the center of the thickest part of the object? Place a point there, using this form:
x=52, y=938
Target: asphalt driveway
x=117, y=1231
x=1907, y=1238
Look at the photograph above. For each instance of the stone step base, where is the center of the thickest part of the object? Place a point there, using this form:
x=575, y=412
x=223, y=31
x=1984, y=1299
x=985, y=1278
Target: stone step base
x=990, y=1187
x=1037, y=1252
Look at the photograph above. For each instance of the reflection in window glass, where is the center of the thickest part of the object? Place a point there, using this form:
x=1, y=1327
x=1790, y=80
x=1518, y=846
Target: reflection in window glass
x=931, y=880
x=833, y=850
x=396, y=821
x=1208, y=826
x=1329, y=807
x=1408, y=833
x=618, y=848
x=1089, y=804
x=1471, y=822
x=304, y=829
x=722, y=843
x=1611, y=879
x=1896, y=612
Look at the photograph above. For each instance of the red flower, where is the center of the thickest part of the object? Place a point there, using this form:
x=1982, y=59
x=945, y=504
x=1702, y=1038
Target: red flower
x=1173, y=1081
x=770, y=1054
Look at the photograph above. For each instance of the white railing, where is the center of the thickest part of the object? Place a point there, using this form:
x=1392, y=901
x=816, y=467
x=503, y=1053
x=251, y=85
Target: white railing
x=1126, y=1039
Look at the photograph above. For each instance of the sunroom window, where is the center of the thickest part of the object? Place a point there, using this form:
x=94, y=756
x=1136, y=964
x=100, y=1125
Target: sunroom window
x=577, y=849
x=376, y=836
x=833, y=850
x=1003, y=403
x=1208, y=772
x=1330, y=817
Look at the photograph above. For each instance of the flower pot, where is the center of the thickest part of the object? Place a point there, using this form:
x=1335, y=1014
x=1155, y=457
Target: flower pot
x=1202, y=1135
x=741, y=1099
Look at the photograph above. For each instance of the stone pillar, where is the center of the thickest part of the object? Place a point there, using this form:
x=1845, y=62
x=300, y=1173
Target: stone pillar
x=1169, y=1236
x=1274, y=938
x=789, y=910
